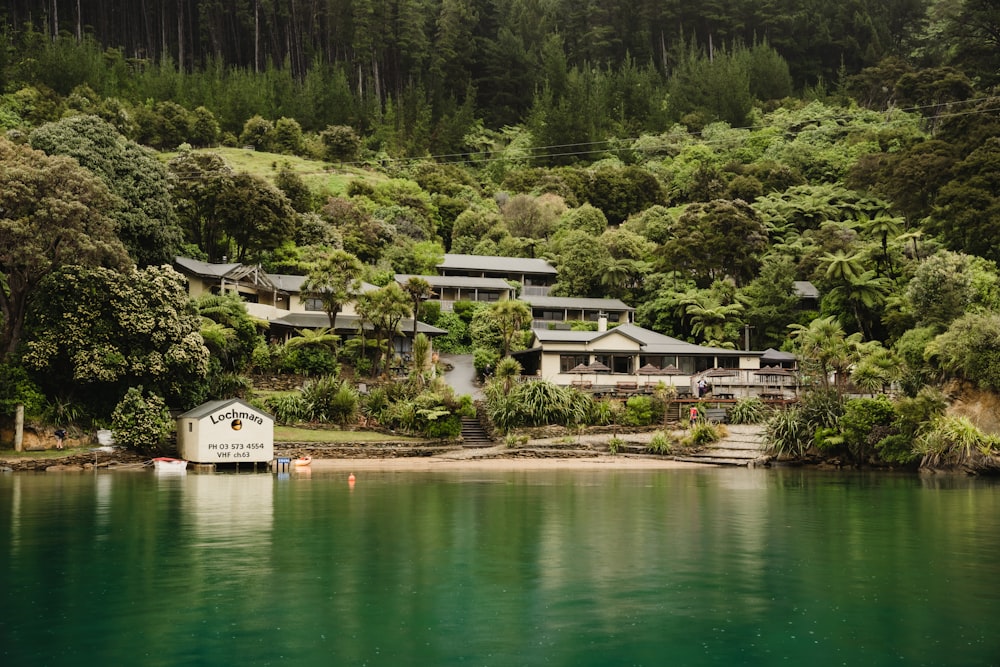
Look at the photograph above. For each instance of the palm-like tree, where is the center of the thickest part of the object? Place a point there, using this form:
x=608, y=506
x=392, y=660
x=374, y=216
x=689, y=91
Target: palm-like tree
x=709, y=317
x=419, y=290
x=863, y=295
x=334, y=279
x=511, y=316
x=824, y=349
x=616, y=275
x=883, y=226
x=384, y=309
x=841, y=267
x=323, y=337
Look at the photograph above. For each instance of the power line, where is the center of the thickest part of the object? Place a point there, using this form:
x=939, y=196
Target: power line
x=618, y=145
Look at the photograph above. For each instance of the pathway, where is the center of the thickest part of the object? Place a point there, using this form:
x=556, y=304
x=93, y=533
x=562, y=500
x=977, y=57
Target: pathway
x=462, y=376
x=743, y=446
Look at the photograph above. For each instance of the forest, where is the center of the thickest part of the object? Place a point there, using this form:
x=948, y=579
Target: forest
x=693, y=162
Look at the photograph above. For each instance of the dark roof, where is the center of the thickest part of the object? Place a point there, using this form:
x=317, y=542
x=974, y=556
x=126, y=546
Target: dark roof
x=650, y=341
x=507, y=265
x=351, y=323
x=460, y=281
x=204, y=269
x=578, y=303
x=235, y=273
x=293, y=284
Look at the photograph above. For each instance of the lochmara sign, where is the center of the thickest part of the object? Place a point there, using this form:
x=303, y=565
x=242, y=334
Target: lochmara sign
x=226, y=431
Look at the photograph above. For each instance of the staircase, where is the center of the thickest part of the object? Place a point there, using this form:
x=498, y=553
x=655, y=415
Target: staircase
x=473, y=434
x=744, y=446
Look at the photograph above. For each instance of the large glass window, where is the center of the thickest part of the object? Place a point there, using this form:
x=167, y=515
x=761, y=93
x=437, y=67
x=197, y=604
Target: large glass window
x=311, y=303
x=567, y=362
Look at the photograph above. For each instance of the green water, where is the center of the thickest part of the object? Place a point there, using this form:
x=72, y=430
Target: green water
x=707, y=567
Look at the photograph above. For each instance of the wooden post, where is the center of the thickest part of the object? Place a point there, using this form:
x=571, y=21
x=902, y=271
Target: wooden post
x=19, y=428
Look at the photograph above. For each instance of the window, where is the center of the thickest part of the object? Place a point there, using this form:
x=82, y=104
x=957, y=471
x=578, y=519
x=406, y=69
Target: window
x=313, y=304
x=567, y=362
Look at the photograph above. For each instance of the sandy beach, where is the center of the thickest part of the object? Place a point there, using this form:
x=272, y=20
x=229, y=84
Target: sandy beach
x=500, y=461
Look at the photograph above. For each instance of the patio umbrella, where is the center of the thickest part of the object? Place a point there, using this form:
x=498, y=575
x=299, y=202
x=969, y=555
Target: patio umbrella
x=648, y=369
x=597, y=367
x=579, y=369
x=719, y=373
x=670, y=369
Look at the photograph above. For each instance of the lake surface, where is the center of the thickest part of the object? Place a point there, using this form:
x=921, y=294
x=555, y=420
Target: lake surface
x=679, y=567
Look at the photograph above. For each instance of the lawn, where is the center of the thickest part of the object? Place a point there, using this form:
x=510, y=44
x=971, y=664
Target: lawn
x=293, y=434
x=322, y=178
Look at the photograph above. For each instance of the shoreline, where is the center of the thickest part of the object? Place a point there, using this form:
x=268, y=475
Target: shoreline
x=504, y=464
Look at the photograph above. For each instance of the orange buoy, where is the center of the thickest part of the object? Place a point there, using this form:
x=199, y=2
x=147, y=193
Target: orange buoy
x=350, y=479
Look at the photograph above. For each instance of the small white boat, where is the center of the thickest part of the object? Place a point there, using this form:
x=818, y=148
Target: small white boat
x=167, y=464
x=302, y=461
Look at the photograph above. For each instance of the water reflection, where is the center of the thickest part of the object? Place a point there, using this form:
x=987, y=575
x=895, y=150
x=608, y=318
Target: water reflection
x=590, y=569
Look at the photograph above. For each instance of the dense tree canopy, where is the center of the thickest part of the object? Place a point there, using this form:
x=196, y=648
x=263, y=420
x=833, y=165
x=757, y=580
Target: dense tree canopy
x=94, y=333
x=52, y=213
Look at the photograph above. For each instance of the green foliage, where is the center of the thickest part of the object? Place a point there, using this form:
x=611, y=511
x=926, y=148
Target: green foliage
x=704, y=433
x=288, y=409
x=144, y=213
x=954, y=441
x=748, y=411
x=716, y=240
x=533, y=403
x=309, y=360
x=866, y=421
x=94, y=333
x=329, y=399
x=788, y=433
x=614, y=444
x=660, y=443
x=970, y=349
x=16, y=388
x=54, y=213
x=141, y=421
x=639, y=411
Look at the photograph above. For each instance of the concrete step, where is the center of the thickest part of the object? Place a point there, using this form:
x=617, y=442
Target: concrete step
x=473, y=434
x=714, y=460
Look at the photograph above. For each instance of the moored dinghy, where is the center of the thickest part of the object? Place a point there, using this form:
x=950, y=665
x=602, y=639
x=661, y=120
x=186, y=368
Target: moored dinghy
x=302, y=461
x=167, y=464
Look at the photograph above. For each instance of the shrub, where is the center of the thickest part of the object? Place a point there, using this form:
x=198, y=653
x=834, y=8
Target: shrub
x=638, y=411
x=310, y=360
x=704, y=433
x=17, y=388
x=748, y=411
x=660, y=443
x=376, y=404
x=787, y=433
x=141, y=421
x=865, y=422
x=614, y=444
x=602, y=412
x=954, y=441
x=332, y=400
x=287, y=408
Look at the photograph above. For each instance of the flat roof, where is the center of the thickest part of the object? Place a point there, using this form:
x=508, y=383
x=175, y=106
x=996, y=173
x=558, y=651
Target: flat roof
x=650, y=341
x=315, y=320
x=459, y=281
x=496, y=264
x=581, y=303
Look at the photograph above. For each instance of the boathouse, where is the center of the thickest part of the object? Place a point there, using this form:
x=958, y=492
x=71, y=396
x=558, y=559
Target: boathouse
x=226, y=431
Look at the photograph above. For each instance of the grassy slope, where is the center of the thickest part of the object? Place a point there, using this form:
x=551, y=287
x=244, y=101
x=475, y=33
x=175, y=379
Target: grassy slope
x=322, y=178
